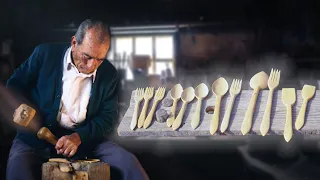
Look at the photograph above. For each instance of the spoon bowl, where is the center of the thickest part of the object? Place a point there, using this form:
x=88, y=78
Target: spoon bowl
x=201, y=91
x=259, y=80
x=188, y=95
x=176, y=91
x=220, y=87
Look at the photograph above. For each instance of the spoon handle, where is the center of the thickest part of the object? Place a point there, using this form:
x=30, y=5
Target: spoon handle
x=173, y=113
x=177, y=122
x=226, y=118
x=288, y=126
x=247, y=122
x=265, y=124
x=196, y=118
x=135, y=116
x=149, y=118
x=215, y=118
x=143, y=113
x=300, y=119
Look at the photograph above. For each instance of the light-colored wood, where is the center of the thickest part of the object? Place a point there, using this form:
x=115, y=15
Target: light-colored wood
x=219, y=88
x=157, y=98
x=258, y=82
x=273, y=82
x=307, y=92
x=175, y=94
x=138, y=98
x=77, y=170
x=80, y=175
x=288, y=99
x=60, y=160
x=186, y=97
x=234, y=91
x=23, y=115
x=278, y=116
x=148, y=94
x=201, y=92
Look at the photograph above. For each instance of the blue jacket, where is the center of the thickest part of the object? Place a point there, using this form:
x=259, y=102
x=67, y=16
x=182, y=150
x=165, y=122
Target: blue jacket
x=39, y=79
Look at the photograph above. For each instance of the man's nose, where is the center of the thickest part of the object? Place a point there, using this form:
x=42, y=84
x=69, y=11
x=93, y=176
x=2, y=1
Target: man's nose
x=91, y=63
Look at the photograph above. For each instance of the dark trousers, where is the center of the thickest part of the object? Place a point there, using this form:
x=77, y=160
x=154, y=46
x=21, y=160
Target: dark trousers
x=24, y=162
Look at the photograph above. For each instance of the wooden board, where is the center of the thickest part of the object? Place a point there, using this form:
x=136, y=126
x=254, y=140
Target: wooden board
x=278, y=116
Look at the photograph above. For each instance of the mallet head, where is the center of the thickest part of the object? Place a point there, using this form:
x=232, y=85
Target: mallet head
x=23, y=115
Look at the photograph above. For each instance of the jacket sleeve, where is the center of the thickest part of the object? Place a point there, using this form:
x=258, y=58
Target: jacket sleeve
x=25, y=76
x=102, y=124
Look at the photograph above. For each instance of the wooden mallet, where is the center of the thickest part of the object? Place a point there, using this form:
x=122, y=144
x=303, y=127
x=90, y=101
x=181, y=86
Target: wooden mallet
x=23, y=116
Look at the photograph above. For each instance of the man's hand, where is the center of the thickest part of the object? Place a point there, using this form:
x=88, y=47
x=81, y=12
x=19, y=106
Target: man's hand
x=68, y=145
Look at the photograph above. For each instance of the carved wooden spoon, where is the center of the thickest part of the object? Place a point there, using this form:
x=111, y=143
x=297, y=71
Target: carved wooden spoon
x=201, y=92
x=175, y=94
x=219, y=88
x=186, y=97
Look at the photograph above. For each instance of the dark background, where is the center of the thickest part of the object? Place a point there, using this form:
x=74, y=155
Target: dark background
x=268, y=28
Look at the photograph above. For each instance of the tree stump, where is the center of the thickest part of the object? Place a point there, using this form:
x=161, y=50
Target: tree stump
x=61, y=169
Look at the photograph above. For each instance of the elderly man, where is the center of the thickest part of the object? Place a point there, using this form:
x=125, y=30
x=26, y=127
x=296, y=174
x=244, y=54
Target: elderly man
x=74, y=88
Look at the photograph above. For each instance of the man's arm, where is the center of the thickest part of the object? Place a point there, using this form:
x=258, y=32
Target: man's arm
x=25, y=77
x=97, y=127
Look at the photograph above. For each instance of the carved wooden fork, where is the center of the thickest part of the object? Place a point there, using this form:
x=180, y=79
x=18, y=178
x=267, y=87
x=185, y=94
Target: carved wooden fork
x=234, y=91
x=273, y=82
x=148, y=94
x=157, y=98
x=138, y=98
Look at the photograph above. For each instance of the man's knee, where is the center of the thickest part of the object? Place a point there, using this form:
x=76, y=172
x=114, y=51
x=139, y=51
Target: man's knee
x=128, y=157
x=118, y=156
x=23, y=159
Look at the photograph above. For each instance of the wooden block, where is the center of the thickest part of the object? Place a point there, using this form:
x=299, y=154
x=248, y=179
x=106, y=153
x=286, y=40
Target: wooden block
x=80, y=170
x=80, y=175
x=278, y=116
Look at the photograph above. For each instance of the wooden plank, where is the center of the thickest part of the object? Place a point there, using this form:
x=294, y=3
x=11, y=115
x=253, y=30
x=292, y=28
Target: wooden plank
x=278, y=116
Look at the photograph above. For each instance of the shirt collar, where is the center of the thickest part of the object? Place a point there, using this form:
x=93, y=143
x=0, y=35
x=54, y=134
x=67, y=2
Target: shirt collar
x=70, y=63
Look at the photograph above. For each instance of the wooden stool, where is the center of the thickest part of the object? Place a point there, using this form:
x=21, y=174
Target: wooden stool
x=62, y=169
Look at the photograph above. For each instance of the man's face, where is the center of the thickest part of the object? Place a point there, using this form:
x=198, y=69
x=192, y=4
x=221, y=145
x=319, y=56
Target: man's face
x=89, y=55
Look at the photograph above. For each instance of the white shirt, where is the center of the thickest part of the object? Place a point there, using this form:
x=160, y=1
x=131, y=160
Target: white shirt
x=76, y=89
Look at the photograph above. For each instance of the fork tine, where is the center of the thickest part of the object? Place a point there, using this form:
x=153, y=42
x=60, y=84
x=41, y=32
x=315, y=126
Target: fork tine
x=160, y=91
x=277, y=76
x=163, y=91
x=146, y=91
x=232, y=84
x=271, y=77
x=149, y=90
x=240, y=84
x=236, y=83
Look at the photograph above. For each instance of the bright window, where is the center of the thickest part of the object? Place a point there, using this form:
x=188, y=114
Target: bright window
x=110, y=55
x=161, y=60
x=164, y=47
x=124, y=44
x=143, y=46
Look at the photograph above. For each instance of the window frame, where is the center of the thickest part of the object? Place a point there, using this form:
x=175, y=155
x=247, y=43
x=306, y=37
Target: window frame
x=153, y=57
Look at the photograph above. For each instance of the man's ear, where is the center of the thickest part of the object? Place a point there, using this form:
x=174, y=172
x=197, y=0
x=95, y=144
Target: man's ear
x=73, y=41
